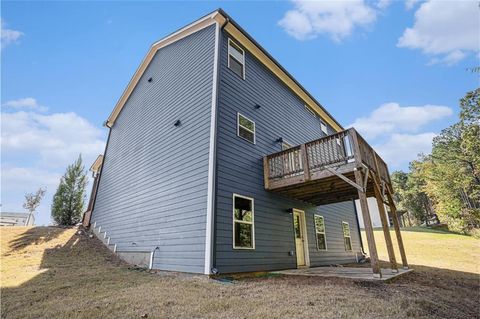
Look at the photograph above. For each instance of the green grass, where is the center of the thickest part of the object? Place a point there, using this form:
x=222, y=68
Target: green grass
x=49, y=272
x=433, y=248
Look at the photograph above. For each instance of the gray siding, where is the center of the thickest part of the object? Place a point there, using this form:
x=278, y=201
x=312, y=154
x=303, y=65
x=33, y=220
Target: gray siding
x=153, y=188
x=240, y=170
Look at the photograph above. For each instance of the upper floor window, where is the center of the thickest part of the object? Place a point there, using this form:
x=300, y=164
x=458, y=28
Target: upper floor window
x=236, y=59
x=245, y=128
x=286, y=145
x=320, y=231
x=346, y=236
x=310, y=110
x=243, y=224
x=323, y=127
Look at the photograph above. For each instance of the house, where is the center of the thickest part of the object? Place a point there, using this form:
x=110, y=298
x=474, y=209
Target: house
x=16, y=219
x=403, y=216
x=219, y=161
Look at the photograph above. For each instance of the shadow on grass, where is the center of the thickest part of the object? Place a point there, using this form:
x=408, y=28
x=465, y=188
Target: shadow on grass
x=35, y=236
x=82, y=275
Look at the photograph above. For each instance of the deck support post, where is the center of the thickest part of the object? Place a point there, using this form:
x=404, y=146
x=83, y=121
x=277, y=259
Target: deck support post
x=393, y=215
x=372, y=248
x=306, y=164
x=385, y=226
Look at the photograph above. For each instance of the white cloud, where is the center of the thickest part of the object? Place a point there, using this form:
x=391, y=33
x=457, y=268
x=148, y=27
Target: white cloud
x=409, y=4
x=383, y=4
x=56, y=139
x=36, y=149
x=337, y=19
x=8, y=36
x=400, y=149
x=391, y=117
x=28, y=103
x=444, y=30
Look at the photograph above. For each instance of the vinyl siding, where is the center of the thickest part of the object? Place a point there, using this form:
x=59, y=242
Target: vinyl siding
x=153, y=188
x=240, y=171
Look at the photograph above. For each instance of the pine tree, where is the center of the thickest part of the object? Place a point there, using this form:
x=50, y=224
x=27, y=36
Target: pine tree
x=68, y=201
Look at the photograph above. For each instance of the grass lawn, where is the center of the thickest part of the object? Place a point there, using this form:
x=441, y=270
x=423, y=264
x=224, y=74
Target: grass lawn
x=49, y=272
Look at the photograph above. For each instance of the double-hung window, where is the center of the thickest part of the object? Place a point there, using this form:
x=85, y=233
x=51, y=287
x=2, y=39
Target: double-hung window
x=320, y=232
x=243, y=223
x=323, y=127
x=346, y=236
x=245, y=128
x=236, y=59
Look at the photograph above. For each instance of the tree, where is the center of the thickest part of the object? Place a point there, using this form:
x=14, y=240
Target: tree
x=69, y=199
x=32, y=201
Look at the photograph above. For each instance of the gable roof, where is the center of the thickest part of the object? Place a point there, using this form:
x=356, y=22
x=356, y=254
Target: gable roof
x=229, y=25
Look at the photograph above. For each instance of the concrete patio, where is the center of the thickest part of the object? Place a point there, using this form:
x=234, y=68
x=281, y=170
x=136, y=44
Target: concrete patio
x=345, y=272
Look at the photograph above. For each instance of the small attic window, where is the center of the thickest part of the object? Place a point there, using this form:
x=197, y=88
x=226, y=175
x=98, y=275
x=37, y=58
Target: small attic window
x=236, y=59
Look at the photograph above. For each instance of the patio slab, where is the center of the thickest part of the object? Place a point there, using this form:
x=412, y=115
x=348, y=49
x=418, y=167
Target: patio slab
x=345, y=272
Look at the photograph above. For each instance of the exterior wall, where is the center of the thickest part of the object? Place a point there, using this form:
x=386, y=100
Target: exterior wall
x=153, y=187
x=16, y=219
x=373, y=210
x=240, y=171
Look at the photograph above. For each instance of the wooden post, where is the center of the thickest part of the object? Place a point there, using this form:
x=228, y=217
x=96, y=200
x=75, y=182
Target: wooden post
x=367, y=222
x=266, y=172
x=393, y=212
x=386, y=229
x=306, y=165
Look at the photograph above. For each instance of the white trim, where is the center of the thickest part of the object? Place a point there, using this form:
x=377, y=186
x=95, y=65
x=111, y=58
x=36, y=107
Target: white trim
x=94, y=225
x=108, y=241
x=104, y=235
x=211, y=162
x=319, y=232
x=243, y=222
x=349, y=236
x=305, y=234
x=115, y=248
x=245, y=128
x=229, y=54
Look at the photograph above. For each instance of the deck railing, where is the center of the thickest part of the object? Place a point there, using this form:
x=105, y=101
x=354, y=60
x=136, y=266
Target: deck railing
x=335, y=150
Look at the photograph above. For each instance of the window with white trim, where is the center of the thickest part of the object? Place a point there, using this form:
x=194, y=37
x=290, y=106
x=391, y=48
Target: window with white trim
x=286, y=145
x=323, y=127
x=243, y=223
x=245, y=128
x=310, y=110
x=320, y=232
x=236, y=59
x=346, y=236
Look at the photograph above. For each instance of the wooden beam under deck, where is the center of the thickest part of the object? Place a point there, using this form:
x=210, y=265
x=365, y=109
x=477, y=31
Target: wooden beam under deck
x=337, y=168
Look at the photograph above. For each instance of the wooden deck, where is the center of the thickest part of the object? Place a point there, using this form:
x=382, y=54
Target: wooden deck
x=337, y=168
x=317, y=171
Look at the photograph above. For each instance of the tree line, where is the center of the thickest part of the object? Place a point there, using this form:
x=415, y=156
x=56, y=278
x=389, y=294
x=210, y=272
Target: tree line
x=444, y=186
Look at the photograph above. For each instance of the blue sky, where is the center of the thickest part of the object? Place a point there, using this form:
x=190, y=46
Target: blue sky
x=395, y=70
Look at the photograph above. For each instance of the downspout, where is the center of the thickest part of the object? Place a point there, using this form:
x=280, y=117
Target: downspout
x=214, y=239
x=152, y=257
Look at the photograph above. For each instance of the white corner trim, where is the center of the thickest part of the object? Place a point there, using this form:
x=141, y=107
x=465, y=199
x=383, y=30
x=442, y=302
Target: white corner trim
x=211, y=161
